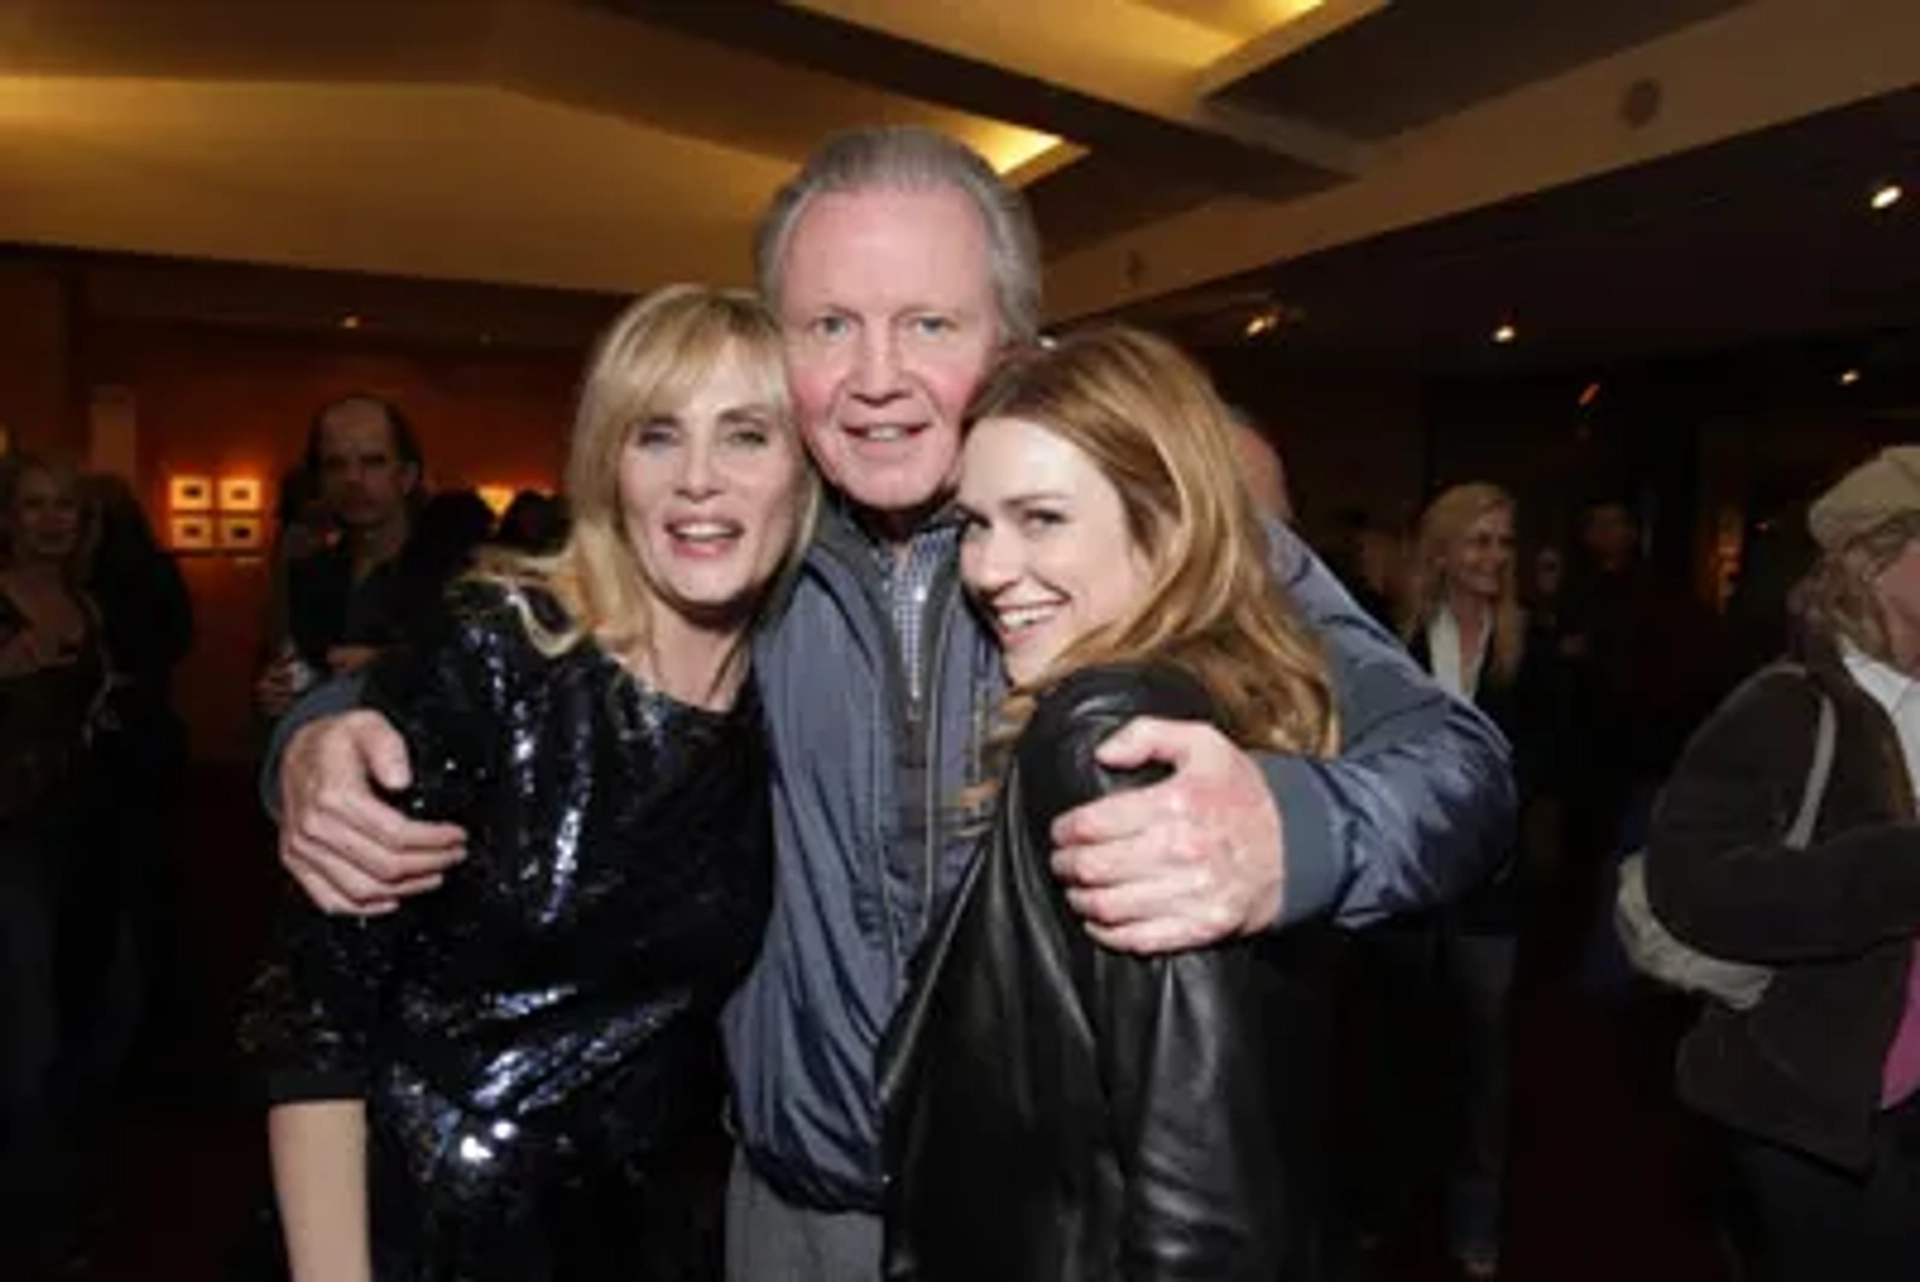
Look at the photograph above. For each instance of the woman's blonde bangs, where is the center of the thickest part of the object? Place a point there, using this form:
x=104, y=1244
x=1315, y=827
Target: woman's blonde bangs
x=650, y=363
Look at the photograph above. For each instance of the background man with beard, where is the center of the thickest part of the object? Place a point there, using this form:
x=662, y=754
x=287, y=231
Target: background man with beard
x=344, y=602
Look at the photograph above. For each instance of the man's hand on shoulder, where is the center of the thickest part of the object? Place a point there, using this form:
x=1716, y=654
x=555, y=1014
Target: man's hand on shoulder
x=1188, y=861
x=348, y=849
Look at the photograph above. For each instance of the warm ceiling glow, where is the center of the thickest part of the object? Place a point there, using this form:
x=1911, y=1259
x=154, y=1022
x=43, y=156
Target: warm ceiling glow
x=1849, y=377
x=1008, y=147
x=1261, y=323
x=1887, y=197
x=1505, y=334
x=1589, y=394
x=349, y=322
x=1237, y=20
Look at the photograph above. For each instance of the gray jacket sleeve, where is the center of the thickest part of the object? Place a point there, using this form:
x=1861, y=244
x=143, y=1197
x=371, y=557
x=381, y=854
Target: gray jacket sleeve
x=1421, y=798
x=328, y=699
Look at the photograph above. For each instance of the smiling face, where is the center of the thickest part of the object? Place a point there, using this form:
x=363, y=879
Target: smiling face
x=1479, y=559
x=711, y=495
x=44, y=525
x=1047, y=555
x=1897, y=588
x=890, y=322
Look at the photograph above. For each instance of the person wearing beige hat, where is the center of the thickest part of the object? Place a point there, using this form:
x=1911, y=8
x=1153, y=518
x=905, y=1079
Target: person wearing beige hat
x=1880, y=490
x=1788, y=839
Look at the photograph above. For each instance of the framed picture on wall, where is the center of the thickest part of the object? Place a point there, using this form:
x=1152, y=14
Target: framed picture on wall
x=241, y=534
x=190, y=533
x=239, y=494
x=190, y=494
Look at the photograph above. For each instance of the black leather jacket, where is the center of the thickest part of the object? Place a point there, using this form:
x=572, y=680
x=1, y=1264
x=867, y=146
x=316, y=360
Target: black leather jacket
x=1055, y=1110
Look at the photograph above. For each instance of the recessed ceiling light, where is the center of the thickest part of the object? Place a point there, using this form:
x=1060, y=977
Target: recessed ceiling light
x=1886, y=196
x=1260, y=324
x=350, y=321
x=1849, y=377
x=1505, y=334
x=1589, y=394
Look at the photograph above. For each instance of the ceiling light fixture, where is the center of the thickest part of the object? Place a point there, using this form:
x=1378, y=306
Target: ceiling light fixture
x=1849, y=377
x=349, y=321
x=1261, y=323
x=1886, y=196
x=1589, y=394
x=1506, y=333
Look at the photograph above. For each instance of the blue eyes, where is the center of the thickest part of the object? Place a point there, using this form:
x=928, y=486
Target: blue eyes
x=1034, y=521
x=663, y=436
x=928, y=326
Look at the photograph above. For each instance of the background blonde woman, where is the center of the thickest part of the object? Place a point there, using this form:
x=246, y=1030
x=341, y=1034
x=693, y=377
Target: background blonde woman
x=1460, y=616
x=53, y=681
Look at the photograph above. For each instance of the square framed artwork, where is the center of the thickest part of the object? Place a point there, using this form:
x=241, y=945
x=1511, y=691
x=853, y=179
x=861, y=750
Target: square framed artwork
x=239, y=494
x=241, y=534
x=190, y=494
x=190, y=533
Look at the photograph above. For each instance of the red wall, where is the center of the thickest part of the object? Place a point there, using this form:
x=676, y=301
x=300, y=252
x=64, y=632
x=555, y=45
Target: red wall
x=37, y=402
x=222, y=402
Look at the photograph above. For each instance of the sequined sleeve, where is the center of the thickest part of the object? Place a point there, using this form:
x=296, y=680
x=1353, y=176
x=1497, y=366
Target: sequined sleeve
x=312, y=1010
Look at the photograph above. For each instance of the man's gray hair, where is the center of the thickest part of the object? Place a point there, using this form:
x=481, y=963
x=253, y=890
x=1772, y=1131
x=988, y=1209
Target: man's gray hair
x=911, y=158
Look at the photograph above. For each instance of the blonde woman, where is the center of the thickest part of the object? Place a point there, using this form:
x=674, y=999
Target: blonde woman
x=53, y=663
x=53, y=682
x=1460, y=616
x=484, y=1083
x=1817, y=1084
x=1056, y=1109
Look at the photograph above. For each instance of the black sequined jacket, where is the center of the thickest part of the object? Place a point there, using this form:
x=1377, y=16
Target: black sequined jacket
x=1056, y=1110
x=530, y=1038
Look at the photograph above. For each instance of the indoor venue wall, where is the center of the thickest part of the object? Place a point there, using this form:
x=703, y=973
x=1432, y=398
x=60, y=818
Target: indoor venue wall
x=219, y=402
x=1349, y=440
x=39, y=403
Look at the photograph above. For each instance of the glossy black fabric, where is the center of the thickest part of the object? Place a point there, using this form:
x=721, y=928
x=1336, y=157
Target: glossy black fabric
x=1056, y=1111
x=534, y=1039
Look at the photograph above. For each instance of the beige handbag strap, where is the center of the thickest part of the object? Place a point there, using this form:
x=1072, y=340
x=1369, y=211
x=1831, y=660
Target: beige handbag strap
x=1801, y=834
